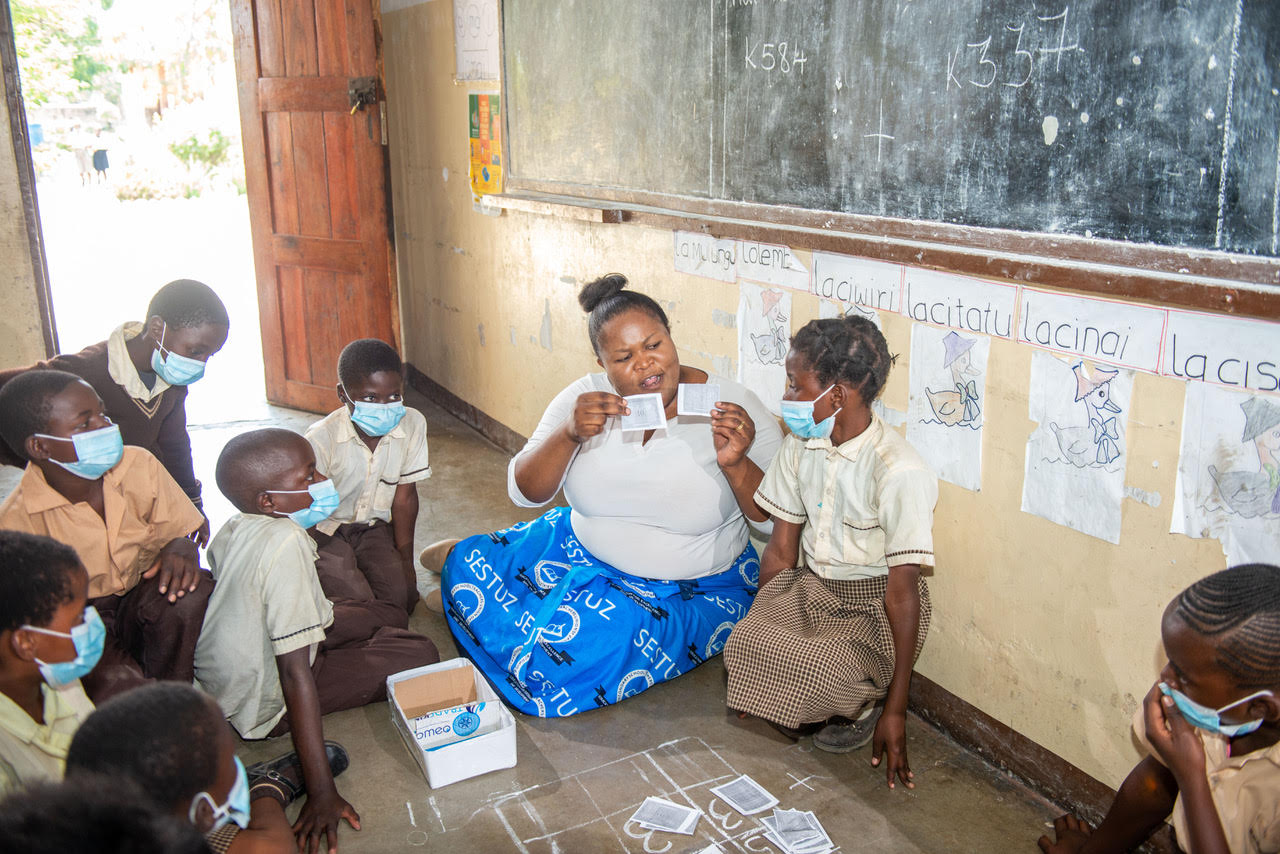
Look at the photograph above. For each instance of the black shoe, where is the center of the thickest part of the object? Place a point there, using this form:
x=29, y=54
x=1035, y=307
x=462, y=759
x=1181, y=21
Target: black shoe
x=842, y=735
x=285, y=772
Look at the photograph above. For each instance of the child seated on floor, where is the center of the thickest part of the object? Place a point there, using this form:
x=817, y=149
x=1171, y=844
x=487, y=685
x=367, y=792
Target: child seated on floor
x=1210, y=726
x=49, y=638
x=172, y=743
x=829, y=643
x=142, y=371
x=125, y=517
x=275, y=652
x=374, y=449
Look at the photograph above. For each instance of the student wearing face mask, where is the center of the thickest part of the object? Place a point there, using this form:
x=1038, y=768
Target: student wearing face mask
x=49, y=638
x=374, y=449
x=142, y=372
x=171, y=742
x=828, y=646
x=1210, y=726
x=126, y=518
x=276, y=651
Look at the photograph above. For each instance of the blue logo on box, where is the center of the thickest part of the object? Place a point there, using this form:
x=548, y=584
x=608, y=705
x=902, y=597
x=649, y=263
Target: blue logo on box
x=466, y=723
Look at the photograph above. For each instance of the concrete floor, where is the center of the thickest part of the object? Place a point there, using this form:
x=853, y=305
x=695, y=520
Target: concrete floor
x=579, y=779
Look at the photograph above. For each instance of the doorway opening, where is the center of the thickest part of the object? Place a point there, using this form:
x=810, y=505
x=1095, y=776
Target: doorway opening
x=135, y=134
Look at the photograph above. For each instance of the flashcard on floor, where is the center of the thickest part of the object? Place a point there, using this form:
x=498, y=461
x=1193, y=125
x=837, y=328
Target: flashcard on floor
x=647, y=413
x=659, y=814
x=697, y=398
x=745, y=795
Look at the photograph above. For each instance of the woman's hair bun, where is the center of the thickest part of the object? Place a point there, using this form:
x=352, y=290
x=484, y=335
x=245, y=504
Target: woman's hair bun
x=596, y=292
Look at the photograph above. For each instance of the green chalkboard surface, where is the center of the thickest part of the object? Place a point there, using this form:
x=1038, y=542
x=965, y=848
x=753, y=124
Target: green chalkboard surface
x=1146, y=121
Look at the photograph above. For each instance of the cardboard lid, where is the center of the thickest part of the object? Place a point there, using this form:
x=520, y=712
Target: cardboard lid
x=429, y=692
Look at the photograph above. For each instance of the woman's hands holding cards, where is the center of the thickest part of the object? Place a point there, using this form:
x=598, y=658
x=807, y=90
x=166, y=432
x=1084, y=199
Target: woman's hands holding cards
x=732, y=431
x=591, y=412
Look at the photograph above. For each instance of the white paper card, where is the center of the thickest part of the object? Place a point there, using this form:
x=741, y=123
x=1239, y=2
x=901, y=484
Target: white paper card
x=862, y=282
x=745, y=795
x=1076, y=455
x=1232, y=351
x=946, y=399
x=659, y=814
x=1228, y=483
x=764, y=335
x=647, y=413
x=773, y=264
x=1100, y=330
x=959, y=302
x=697, y=398
x=704, y=255
x=475, y=41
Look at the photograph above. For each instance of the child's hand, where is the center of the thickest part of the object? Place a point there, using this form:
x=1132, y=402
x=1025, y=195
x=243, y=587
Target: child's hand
x=732, y=432
x=200, y=536
x=890, y=737
x=1072, y=834
x=1172, y=737
x=320, y=816
x=177, y=568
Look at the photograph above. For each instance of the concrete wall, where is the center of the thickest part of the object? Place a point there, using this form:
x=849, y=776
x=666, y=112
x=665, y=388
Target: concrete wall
x=1050, y=631
x=21, y=338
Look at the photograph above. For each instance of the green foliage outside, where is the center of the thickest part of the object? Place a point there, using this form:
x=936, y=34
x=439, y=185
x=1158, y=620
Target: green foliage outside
x=59, y=50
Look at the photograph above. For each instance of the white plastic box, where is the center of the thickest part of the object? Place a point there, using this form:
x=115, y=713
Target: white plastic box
x=443, y=758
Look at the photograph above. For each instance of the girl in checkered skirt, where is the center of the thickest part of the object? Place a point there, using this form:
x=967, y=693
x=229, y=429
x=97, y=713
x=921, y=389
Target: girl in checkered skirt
x=828, y=645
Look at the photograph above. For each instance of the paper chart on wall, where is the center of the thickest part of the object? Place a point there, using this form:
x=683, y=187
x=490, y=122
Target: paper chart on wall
x=1076, y=455
x=764, y=335
x=475, y=39
x=946, y=399
x=1228, y=484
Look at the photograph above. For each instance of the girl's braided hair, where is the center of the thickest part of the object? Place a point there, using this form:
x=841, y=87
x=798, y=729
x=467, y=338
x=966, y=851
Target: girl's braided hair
x=850, y=349
x=1240, y=608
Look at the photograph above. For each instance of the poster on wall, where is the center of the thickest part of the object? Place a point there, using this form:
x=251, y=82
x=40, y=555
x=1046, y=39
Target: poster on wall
x=946, y=399
x=486, y=145
x=475, y=39
x=1076, y=455
x=764, y=335
x=1228, y=484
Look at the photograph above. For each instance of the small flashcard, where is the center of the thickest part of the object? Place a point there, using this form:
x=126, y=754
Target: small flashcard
x=697, y=398
x=659, y=814
x=745, y=795
x=647, y=413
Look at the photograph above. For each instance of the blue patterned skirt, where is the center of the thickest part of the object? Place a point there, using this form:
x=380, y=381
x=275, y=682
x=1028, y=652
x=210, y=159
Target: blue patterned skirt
x=558, y=632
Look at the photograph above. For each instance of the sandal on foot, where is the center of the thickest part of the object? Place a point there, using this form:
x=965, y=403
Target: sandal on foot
x=842, y=735
x=433, y=556
x=284, y=773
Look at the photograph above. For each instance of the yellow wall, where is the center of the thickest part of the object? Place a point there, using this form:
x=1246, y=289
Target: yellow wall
x=21, y=340
x=1048, y=630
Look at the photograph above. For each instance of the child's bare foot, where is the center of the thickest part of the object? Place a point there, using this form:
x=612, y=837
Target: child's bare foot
x=1071, y=833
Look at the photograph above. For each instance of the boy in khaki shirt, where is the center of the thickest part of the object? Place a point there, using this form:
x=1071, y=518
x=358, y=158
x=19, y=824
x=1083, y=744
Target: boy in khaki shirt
x=374, y=449
x=124, y=515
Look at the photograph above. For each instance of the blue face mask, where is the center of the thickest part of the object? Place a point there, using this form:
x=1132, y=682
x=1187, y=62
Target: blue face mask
x=97, y=451
x=376, y=419
x=88, y=637
x=798, y=416
x=235, y=809
x=324, y=500
x=1211, y=719
x=174, y=368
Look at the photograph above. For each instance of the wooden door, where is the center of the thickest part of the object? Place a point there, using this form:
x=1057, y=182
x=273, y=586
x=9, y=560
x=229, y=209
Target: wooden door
x=316, y=179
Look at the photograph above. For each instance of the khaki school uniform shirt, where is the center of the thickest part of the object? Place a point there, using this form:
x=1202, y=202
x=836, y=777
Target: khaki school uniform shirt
x=866, y=505
x=1245, y=791
x=122, y=370
x=367, y=480
x=145, y=509
x=267, y=602
x=32, y=752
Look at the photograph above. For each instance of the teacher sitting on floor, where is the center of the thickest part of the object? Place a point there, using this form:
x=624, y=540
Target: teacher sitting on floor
x=646, y=572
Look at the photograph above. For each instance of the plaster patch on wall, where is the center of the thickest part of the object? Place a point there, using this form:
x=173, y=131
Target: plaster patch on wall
x=728, y=320
x=482, y=335
x=1151, y=499
x=544, y=333
x=569, y=280
x=725, y=366
x=458, y=250
x=513, y=336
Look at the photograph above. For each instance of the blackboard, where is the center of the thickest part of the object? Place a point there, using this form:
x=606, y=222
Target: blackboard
x=1145, y=121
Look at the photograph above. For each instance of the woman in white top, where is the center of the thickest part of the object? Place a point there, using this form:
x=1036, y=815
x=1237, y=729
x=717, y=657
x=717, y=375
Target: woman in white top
x=645, y=573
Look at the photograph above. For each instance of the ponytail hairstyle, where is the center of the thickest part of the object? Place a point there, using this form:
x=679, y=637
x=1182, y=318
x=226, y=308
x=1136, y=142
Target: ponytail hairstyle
x=604, y=299
x=1239, y=609
x=847, y=349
